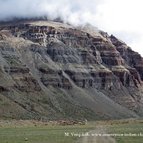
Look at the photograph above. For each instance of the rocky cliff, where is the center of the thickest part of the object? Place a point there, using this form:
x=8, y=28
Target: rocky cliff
x=53, y=70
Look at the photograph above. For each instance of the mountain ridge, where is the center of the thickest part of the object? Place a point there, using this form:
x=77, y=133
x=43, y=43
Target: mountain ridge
x=54, y=70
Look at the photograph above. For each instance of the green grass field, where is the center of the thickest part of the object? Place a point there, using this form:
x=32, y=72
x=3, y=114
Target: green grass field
x=56, y=133
x=47, y=134
x=132, y=131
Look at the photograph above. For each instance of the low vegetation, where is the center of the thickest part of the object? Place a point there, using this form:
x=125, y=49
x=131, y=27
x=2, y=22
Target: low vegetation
x=127, y=131
x=51, y=132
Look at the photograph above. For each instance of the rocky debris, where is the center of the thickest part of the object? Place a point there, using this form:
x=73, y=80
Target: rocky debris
x=70, y=122
x=26, y=139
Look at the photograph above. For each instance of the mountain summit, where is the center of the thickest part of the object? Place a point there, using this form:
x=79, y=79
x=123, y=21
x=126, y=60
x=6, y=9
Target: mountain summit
x=54, y=71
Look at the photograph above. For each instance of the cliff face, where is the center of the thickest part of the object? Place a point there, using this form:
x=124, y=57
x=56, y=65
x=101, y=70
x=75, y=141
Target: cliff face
x=53, y=70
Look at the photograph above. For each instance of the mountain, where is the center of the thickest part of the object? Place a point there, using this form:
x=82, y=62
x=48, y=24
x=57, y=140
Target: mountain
x=50, y=70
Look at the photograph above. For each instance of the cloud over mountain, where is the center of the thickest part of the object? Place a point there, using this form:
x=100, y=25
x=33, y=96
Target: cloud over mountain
x=75, y=12
x=119, y=17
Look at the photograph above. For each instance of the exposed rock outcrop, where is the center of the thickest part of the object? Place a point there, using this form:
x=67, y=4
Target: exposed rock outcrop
x=60, y=68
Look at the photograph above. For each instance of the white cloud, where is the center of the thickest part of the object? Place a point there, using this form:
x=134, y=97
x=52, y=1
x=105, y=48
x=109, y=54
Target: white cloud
x=51, y=8
x=124, y=19
x=120, y=17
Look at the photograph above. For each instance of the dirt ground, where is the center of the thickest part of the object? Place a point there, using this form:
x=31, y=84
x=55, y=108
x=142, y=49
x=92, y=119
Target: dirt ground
x=94, y=136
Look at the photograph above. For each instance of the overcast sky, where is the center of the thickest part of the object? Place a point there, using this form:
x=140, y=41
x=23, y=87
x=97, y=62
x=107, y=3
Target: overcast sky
x=122, y=18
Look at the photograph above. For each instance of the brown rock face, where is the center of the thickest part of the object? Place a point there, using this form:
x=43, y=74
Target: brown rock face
x=54, y=78
x=131, y=58
x=60, y=63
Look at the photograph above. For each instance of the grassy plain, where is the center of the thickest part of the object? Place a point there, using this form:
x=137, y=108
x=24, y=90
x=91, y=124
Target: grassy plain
x=48, y=133
x=129, y=131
